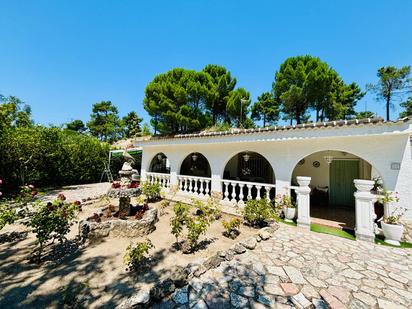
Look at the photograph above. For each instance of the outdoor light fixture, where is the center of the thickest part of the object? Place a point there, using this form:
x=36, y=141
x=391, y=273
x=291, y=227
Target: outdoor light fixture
x=194, y=157
x=246, y=157
x=328, y=158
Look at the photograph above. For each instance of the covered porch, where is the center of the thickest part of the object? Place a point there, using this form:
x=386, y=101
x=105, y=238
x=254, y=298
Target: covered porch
x=317, y=164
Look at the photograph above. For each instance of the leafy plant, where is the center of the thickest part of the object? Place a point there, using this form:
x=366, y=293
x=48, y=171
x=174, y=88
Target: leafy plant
x=136, y=254
x=396, y=215
x=195, y=219
x=151, y=190
x=51, y=221
x=232, y=227
x=7, y=215
x=258, y=212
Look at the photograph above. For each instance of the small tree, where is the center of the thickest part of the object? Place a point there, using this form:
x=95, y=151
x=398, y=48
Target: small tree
x=231, y=227
x=136, y=254
x=51, y=221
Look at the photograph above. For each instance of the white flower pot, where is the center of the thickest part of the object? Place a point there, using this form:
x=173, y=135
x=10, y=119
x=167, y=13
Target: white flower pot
x=290, y=214
x=393, y=233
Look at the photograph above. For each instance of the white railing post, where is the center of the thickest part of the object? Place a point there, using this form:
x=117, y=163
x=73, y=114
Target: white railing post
x=303, y=201
x=365, y=212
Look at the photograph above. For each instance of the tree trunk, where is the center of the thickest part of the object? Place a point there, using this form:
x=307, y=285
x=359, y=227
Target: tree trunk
x=388, y=102
x=317, y=114
x=264, y=120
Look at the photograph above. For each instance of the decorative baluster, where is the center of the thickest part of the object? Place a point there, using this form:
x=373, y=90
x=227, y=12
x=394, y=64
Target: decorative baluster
x=202, y=188
x=207, y=190
x=226, y=194
x=241, y=196
x=196, y=187
x=181, y=184
x=233, y=200
x=187, y=181
x=249, y=192
x=258, y=192
x=267, y=193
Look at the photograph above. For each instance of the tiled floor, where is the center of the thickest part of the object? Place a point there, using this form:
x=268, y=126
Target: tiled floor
x=343, y=218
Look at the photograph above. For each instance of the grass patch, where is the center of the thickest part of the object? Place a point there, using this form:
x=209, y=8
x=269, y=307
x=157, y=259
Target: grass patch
x=293, y=223
x=379, y=239
x=331, y=231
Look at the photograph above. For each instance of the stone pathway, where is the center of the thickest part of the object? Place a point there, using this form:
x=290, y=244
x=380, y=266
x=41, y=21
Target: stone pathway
x=78, y=192
x=297, y=268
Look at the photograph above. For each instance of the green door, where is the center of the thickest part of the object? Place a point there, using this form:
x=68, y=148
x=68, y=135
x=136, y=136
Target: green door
x=341, y=187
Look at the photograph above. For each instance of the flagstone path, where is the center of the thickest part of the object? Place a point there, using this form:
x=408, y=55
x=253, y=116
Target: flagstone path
x=303, y=269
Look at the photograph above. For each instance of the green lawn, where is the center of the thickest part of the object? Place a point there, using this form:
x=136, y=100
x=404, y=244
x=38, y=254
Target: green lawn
x=331, y=231
x=380, y=241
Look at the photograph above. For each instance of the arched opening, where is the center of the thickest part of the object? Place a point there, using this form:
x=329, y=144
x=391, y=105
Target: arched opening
x=195, y=164
x=332, y=172
x=160, y=164
x=243, y=170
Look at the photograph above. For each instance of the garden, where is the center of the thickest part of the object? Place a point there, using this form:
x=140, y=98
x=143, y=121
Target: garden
x=48, y=259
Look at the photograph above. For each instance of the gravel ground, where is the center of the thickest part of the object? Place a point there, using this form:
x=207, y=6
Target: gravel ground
x=78, y=192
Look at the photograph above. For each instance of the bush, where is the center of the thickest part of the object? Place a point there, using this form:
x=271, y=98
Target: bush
x=7, y=215
x=258, y=212
x=231, y=227
x=50, y=156
x=136, y=254
x=152, y=191
x=195, y=219
x=51, y=221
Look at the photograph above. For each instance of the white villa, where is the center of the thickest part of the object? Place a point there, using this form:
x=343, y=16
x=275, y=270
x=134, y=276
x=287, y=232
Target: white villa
x=329, y=167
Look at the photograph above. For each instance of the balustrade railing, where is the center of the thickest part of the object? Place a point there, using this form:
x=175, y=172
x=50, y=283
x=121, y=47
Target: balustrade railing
x=199, y=186
x=160, y=178
x=238, y=192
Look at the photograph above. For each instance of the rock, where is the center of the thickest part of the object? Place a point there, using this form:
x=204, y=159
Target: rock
x=229, y=254
x=340, y=293
x=238, y=248
x=248, y=291
x=331, y=300
x=294, y=274
x=349, y=273
x=213, y=262
x=180, y=296
x=238, y=301
x=162, y=289
x=178, y=275
x=264, y=234
x=249, y=243
x=289, y=288
x=200, y=305
x=300, y=301
x=139, y=299
x=365, y=298
x=319, y=304
x=385, y=304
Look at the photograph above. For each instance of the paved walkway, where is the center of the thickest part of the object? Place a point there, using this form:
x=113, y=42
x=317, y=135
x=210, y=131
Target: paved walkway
x=299, y=268
x=78, y=192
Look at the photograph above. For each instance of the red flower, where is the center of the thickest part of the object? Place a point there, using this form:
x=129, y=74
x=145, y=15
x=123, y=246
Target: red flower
x=33, y=193
x=31, y=187
x=1, y=182
x=61, y=197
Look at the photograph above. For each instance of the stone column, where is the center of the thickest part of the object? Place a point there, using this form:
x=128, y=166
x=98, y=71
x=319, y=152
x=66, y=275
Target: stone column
x=365, y=211
x=124, y=207
x=303, y=201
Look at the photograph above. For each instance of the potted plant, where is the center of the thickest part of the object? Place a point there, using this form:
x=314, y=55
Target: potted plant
x=391, y=227
x=289, y=208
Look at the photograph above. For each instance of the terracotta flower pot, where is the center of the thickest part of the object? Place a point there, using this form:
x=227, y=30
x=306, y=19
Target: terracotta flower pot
x=393, y=233
x=290, y=214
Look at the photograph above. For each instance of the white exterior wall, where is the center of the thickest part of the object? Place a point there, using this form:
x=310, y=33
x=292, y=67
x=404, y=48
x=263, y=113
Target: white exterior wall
x=380, y=145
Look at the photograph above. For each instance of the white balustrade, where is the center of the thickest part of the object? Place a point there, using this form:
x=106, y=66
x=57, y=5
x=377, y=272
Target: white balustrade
x=236, y=192
x=160, y=178
x=193, y=185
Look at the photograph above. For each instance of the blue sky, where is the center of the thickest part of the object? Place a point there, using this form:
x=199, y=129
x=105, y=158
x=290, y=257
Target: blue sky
x=63, y=56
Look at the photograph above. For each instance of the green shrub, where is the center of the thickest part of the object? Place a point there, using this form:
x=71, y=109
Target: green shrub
x=258, y=212
x=231, y=227
x=7, y=215
x=151, y=190
x=194, y=219
x=136, y=254
x=51, y=221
